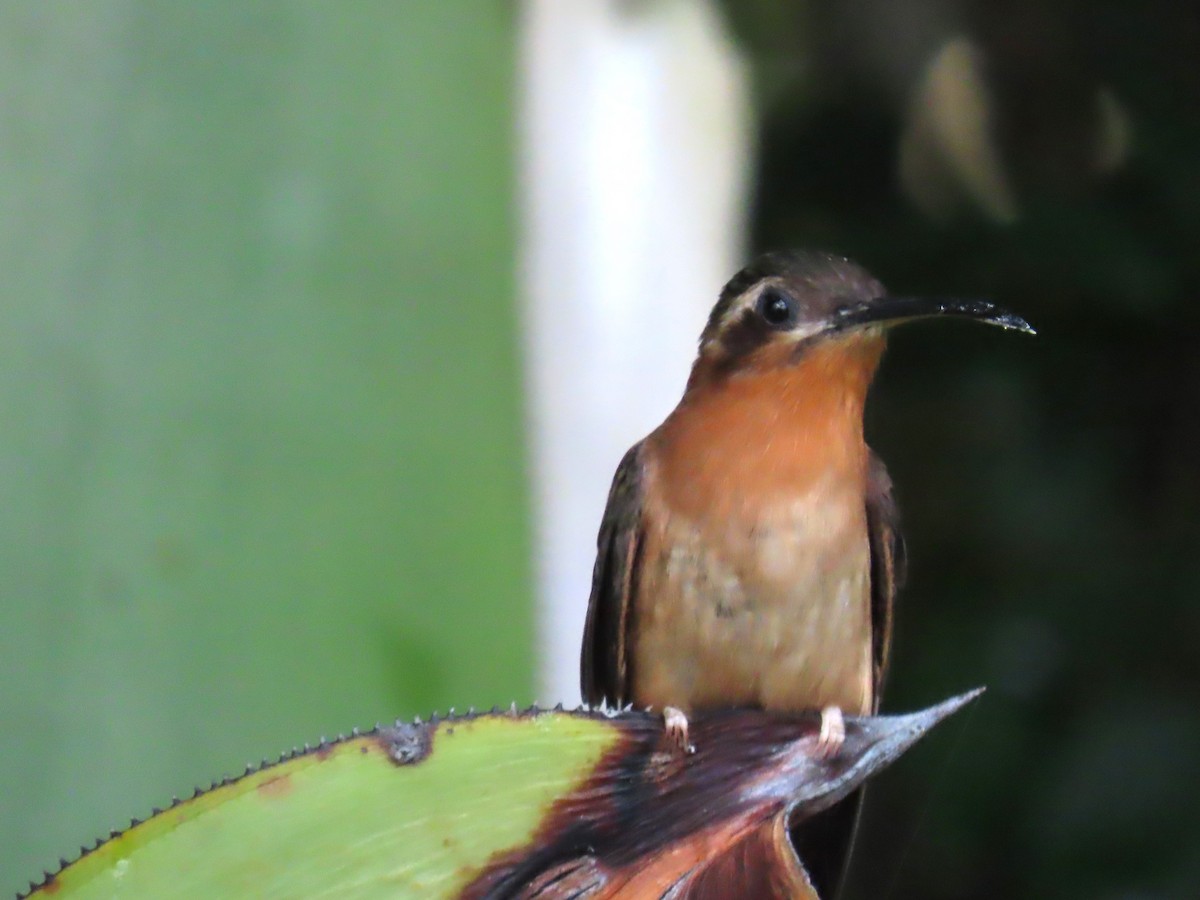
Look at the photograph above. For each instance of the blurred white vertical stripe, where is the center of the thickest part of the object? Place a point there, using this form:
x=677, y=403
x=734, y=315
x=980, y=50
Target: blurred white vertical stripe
x=635, y=144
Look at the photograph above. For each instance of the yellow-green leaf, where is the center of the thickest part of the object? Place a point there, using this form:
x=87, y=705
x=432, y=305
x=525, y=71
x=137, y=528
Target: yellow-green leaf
x=504, y=803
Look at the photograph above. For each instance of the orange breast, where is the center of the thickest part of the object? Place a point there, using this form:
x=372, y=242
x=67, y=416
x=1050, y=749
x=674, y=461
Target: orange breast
x=754, y=585
x=739, y=442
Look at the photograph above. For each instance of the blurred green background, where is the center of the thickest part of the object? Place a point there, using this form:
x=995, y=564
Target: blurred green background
x=261, y=438
x=262, y=451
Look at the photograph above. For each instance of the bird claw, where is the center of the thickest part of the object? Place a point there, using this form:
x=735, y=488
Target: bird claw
x=675, y=723
x=832, y=734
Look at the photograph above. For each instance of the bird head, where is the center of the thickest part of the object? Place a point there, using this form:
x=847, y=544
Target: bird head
x=787, y=308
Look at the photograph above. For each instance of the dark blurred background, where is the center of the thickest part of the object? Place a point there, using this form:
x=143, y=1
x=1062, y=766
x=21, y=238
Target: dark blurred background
x=1045, y=155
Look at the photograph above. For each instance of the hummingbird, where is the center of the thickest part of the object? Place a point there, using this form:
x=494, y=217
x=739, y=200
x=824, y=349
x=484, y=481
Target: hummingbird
x=750, y=551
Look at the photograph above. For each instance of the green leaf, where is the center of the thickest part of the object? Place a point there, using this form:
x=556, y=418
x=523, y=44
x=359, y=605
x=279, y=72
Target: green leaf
x=504, y=803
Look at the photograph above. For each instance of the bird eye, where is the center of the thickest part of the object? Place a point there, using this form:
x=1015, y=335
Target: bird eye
x=777, y=308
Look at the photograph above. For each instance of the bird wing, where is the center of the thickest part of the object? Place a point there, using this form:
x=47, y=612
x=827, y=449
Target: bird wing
x=604, y=660
x=888, y=565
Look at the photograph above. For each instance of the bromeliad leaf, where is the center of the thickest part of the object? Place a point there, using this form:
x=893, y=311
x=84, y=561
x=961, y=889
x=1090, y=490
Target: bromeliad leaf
x=543, y=804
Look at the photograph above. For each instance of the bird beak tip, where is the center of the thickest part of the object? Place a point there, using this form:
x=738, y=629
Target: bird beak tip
x=1016, y=323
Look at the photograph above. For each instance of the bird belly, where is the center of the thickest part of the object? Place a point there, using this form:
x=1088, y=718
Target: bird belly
x=773, y=612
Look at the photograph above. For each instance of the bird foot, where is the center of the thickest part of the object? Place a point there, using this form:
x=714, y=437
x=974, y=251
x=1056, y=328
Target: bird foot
x=676, y=724
x=832, y=734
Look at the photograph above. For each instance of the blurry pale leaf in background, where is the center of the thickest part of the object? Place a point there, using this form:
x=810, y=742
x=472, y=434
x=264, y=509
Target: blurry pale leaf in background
x=946, y=148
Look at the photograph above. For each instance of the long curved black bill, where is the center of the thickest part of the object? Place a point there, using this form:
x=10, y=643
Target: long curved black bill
x=899, y=309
